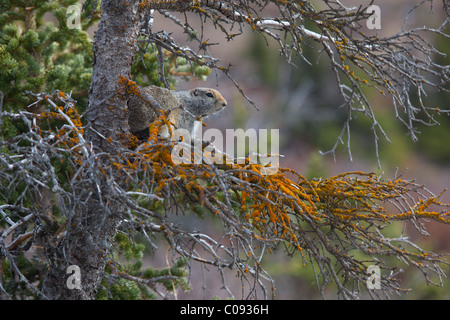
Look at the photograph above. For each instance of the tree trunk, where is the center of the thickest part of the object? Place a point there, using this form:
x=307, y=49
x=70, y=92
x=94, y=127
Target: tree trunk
x=92, y=227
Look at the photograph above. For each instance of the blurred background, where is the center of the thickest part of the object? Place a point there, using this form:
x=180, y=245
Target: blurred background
x=302, y=102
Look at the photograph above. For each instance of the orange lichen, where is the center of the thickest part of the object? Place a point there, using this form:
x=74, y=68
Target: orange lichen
x=281, y=207
x=127, y=87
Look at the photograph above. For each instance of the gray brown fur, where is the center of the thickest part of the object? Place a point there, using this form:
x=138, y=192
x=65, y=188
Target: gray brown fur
x=185, y=106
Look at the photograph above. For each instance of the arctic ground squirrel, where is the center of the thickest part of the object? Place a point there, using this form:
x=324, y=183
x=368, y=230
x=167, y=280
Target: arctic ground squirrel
x=186, y=108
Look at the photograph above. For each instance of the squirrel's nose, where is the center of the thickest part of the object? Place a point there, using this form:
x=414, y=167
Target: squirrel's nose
x=224, y=104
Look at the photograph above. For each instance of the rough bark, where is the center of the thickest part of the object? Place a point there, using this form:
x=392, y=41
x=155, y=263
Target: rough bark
x=92, y=226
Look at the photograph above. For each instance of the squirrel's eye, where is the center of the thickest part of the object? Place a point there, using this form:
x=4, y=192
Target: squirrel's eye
x=209, y=94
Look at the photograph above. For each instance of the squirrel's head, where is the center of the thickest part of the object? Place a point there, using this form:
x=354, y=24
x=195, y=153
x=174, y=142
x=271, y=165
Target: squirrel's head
x=213, y=100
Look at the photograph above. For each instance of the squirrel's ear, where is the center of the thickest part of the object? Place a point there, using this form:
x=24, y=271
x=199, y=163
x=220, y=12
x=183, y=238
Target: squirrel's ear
x=194, y=92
